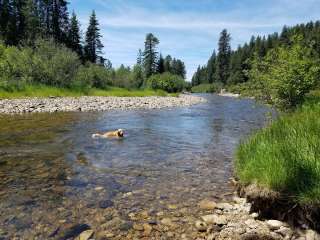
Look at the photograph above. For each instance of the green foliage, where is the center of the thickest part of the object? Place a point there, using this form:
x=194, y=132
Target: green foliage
x=285, y=75
x=53, y=64
x=49, y=64
x=206, y=88
x=285, y=156
x=167, y=82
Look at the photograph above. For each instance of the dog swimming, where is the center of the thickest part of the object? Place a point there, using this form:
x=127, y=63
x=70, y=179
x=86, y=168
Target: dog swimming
x=113, y=134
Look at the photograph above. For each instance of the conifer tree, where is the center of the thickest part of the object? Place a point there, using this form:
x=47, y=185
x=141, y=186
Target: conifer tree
x=139, y=58
x=167, y=63
x=74, y=38
x=212, y=67
x=93, y=46
x=150, y=55
x=160, y=67
x=32, y=21
x=223, y=59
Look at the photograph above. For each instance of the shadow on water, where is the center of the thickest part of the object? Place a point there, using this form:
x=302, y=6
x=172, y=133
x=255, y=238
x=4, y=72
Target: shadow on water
x=53, y=173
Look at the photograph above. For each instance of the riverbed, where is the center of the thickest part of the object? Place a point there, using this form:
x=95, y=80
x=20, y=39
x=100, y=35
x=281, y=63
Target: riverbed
x=56, y=179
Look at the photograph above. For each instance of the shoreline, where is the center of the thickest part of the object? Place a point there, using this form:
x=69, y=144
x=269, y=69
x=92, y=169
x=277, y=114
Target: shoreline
x=92, y=103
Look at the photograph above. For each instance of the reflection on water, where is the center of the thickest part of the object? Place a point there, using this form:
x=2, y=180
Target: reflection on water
x=53, y=175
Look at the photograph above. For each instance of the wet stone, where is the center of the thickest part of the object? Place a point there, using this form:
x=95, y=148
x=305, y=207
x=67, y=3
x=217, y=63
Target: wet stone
x=74, y=231
x=126, y=226
x=106, y=204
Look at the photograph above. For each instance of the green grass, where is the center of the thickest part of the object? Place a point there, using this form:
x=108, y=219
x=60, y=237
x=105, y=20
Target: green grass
x=285, y=156
x=46, y=91
x=204, y=88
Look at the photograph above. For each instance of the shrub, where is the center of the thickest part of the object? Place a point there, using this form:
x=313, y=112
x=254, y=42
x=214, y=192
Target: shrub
x=206, y=88
x=285, y=75
x=15, y=67
x=167, y=82
x=54, y=64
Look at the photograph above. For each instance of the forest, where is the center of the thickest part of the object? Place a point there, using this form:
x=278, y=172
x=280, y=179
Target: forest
x=268, y=67
x=41, y=45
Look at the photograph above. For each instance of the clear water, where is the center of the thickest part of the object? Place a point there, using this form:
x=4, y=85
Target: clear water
x=54, y=175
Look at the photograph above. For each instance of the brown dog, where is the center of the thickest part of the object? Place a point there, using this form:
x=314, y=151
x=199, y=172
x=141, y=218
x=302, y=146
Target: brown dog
x=114, y=134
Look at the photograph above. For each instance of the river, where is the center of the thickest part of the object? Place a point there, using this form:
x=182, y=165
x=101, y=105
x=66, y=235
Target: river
x=55, y=177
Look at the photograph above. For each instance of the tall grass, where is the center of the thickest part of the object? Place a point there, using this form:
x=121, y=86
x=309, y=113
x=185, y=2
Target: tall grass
x=285, y=156
x=205, y=88
x=47, y=91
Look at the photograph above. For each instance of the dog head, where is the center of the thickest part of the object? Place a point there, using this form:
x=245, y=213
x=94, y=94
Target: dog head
x=120, y=133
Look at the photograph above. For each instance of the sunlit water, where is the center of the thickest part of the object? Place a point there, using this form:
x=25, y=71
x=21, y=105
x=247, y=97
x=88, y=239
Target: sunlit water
x=54, y=175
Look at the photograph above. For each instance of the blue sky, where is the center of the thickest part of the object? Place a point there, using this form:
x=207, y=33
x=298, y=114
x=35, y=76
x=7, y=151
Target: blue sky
x=188, y=29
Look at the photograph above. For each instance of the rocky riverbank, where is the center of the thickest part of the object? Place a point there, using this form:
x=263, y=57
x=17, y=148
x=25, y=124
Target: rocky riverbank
x=86, y=104
x=231, y=220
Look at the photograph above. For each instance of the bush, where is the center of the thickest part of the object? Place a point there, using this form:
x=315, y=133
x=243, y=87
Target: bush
x=285, y=156
x=167, y=82
x=15, y=67
x=206, y=88
x=54, y=64
x=93, y=75
x=285, y=75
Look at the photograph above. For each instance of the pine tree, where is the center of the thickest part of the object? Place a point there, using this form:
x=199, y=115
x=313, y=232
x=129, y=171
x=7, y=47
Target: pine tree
x=150, y=55
x=160, y=67
x=60, y=20
x=223, y=59
x=167, y=63
x=32, y=21
x=180, y=68
x=196, y=78
x=139, y=58
x=212, y=67
x=93, y=46
x=74, y=38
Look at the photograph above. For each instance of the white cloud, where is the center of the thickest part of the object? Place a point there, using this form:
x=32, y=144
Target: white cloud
x=188, y=33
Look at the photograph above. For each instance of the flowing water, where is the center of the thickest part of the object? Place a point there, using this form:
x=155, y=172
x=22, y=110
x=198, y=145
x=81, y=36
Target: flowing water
x=56, y=179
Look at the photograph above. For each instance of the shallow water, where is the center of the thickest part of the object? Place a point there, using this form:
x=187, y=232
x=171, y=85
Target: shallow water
x=54, y=175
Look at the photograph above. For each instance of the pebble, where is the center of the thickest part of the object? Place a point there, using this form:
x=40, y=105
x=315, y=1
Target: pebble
x=207, y=205
x=147, y=229
x=86, y=235
x=201, y=226
x=91, y=103
x=275, y=224
x=105, y=204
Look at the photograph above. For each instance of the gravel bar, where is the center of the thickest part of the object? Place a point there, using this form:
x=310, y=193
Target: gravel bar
x=88, y=103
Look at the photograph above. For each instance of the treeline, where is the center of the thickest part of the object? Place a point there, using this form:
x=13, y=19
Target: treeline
x=249, y=67
x=35, y=33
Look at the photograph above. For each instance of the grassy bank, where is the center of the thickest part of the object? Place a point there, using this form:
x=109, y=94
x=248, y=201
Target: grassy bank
x=205, y=88
x=285, y=156
x=46, y=91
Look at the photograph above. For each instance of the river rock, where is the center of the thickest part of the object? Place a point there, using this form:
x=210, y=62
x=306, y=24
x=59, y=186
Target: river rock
x=106, y=204
x=147, y=229
x=201, y=226
x=74, y=231
x=166, y=222
x=86, y=235
x=224, y=206
x=207, y=205
x=275, y=224
x=312, y=235
x=215, y=219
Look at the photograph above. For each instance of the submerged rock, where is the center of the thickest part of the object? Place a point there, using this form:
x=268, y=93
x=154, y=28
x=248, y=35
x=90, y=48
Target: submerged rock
x=86, y=235
x=74, y=231
x=201, y=226
x=106, y=204
x=207, y=205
